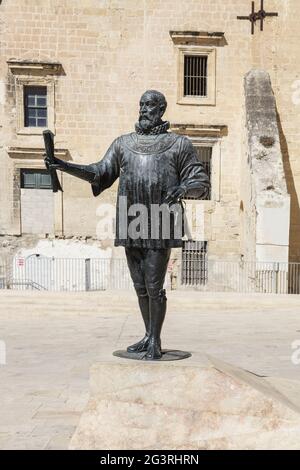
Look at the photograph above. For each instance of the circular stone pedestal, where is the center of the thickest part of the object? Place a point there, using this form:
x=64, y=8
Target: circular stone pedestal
x=167, y=355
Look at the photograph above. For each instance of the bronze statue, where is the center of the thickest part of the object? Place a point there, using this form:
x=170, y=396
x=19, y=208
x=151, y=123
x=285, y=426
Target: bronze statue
x=155, y=167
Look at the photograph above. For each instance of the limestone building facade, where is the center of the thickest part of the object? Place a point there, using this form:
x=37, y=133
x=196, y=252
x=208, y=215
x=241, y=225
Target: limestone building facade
x=79, y=67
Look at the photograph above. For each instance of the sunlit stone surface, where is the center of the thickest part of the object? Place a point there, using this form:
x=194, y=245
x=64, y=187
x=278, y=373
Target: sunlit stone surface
x=201, y=403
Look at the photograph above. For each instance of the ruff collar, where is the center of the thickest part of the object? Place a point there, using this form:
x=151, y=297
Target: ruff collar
x=161, y=129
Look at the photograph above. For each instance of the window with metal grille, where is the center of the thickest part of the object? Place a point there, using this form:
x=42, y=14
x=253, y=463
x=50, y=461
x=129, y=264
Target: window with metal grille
x=35, y=106
x=194, y=263
x=195, y=75
x=35, y=179
x=204, y=155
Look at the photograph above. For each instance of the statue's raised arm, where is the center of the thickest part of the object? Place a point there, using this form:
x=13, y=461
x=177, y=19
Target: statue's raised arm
x=101, y=175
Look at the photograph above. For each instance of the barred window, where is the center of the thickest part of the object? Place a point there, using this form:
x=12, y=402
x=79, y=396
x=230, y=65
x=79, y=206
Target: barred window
x=195, y=75
x=204, y=155
x=194, y=263
x=35, y=106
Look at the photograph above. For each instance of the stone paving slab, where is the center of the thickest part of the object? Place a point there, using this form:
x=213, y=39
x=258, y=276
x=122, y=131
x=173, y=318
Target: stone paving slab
x=52, y=339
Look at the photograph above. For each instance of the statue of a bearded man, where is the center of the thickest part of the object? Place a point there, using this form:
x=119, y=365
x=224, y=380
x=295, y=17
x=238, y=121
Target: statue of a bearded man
x=155, y=167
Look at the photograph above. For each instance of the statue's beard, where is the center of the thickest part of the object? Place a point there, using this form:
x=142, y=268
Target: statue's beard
x=147, y=124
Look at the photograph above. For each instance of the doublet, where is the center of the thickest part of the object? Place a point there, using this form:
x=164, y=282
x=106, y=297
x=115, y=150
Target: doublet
x=147, y=167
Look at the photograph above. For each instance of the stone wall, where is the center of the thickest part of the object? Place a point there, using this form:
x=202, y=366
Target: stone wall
x=111, y=51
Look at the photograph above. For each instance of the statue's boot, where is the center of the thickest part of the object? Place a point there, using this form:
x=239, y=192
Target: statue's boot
x=142, y=345
x=158, y=307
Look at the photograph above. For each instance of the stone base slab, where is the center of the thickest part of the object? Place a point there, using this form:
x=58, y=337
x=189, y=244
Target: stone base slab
x=200, y=403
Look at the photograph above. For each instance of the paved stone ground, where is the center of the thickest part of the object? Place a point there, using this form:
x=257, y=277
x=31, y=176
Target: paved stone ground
x=53, y=338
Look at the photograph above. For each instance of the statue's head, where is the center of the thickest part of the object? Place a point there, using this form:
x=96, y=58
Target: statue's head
x=152, y=107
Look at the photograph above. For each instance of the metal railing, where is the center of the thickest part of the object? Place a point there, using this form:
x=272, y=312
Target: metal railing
x=96, y=274
x=65, y=274
x=247, y=277
x=26, y=284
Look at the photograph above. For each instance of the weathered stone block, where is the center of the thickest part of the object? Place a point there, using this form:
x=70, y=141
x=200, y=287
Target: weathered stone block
x=197, y=404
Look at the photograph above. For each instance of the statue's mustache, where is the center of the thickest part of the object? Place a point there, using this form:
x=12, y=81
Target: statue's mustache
x=144, y=117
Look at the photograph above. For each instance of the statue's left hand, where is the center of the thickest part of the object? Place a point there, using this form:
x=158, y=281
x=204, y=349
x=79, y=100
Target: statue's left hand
x=52, y=163
x=175, y=194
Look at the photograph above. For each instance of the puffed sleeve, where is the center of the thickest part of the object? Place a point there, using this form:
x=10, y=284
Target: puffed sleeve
x=107, y=170
x=191, y=171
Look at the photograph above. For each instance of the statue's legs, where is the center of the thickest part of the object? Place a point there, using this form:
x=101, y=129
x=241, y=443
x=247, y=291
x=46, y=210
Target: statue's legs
x=148, y=270
x=142, y=345
x=158, y=308
x=135, y=261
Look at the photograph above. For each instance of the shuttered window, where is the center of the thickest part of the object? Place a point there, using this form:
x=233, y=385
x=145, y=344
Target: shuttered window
x=195, y=75
x=35, y=179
